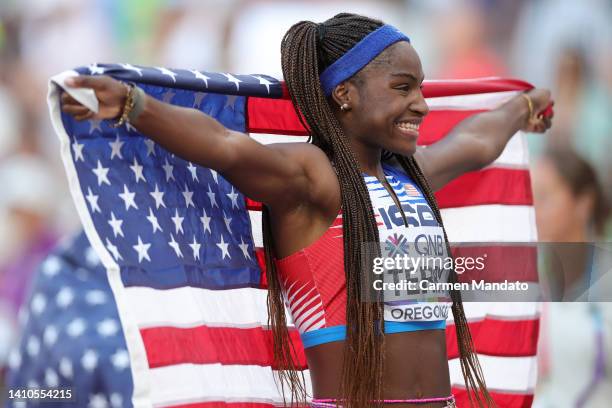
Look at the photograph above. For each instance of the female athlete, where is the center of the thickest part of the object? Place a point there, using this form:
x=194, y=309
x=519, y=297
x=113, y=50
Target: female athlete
x=357, y=84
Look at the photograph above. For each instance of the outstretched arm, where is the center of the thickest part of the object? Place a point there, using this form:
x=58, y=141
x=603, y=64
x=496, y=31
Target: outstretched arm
x=277, y=174
x=479, y=140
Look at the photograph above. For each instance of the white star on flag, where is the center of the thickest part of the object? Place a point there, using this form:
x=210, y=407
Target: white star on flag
x=137, y=169
x=38, y=303
x=201, y=76
x=51, y=378
x=132, y=68
x=65, y=368
x=89, y=360
x=175, y=246
x=76, y=327
x=50, y=335
x=168, y=168
x=194, y=171
x=77, y=149
x=93, y=201
x=143, y=250
x=116, y=225
x=263, y=81
x=64, y=297
x=150, y=147
x=233, y=79
x=227, y=222
x=51, y=266
x=158, y=196
x=120, y=359
x=94, y=69
x=234, y=197
x=97, y=401
x=244, y=248
x=214, y=174
x=33, y=346
x=102, y=174
x=178, y=222
x=224, y=248
x=188, y=195
x=108, y=327
x=211, y=197
x=95, y=124
x=205, y=219
x=116, y=148
x=166, y=71
x=195, y=247
x=128, y=198
x=153, y=220
x=95, y=297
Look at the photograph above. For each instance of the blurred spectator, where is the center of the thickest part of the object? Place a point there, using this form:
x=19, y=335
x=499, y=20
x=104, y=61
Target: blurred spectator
x=463, y=39
x=29, y=196
x=259, y=26
x=574, y=344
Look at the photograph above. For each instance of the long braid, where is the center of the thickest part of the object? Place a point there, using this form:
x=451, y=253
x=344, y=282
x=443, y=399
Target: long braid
x=361, y=381
x=470, y=366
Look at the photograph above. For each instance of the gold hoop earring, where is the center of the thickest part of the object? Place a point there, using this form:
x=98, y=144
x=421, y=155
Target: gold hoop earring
x=345, y=107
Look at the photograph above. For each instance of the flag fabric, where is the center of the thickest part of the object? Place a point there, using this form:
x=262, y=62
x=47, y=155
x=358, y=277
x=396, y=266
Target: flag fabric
x=71, y=336
x=182, y=247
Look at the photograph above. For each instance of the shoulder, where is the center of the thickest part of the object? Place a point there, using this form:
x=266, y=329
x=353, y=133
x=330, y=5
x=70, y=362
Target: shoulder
x=324, y=188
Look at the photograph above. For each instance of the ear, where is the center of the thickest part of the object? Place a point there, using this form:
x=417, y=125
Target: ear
x=344, y=92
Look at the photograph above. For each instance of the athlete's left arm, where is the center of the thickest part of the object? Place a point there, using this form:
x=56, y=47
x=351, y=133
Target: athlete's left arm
x=480, y=139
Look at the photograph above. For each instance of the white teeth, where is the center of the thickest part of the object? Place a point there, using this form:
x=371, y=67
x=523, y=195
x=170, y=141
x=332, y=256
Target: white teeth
x=407, y=125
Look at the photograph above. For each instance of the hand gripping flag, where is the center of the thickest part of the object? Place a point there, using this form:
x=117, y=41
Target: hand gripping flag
x=182, y=247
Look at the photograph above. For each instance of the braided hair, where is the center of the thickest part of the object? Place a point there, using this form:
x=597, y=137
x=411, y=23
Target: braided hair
x=306, y=50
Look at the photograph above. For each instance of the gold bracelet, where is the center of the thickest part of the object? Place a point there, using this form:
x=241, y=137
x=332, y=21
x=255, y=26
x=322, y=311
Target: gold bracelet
x=127, y=107
x=530, y=105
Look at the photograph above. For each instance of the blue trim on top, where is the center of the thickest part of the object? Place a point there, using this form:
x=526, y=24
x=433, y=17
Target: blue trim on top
x=338, y=333
x=359, y=56
x=325, y=335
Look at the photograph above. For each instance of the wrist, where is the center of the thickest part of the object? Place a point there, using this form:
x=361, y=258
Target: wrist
x=526, y=110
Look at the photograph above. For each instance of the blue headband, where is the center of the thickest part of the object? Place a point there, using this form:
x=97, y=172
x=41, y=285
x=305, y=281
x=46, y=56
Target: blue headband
x=359, y=56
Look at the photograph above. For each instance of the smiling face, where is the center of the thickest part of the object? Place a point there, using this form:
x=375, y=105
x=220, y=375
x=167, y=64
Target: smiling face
x=386, y=100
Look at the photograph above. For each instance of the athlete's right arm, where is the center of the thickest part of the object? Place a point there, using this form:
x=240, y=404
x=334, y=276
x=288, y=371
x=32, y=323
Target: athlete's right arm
x=274, y=174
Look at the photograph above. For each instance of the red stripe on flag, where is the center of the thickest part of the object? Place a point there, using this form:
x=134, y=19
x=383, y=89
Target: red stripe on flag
x=501, y=262
x=490, y=186
x=503, y=400
x=253, y=346
x=274, y=116
x=252, y=205
x=491, y=337
x=438, y=123
x=213, y=345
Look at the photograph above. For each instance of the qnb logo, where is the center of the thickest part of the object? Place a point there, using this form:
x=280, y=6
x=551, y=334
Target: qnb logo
x=417, y=215
x=396, y=244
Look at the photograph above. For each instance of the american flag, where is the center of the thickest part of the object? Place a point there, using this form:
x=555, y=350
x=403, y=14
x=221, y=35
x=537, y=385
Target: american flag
x=182, y=247
x=71, y=336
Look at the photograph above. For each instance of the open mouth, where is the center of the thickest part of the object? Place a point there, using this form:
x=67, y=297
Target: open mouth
x=408, y=128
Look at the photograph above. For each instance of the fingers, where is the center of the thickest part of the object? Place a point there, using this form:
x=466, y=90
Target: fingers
x=74, y=108
x=88, y=115
x=67, y=99
x=86, y=81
